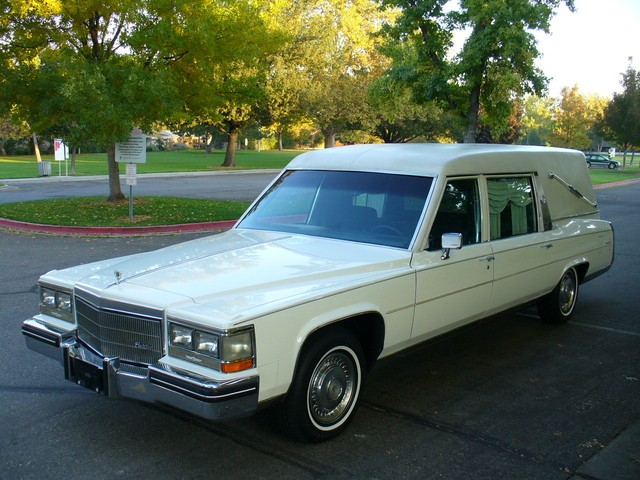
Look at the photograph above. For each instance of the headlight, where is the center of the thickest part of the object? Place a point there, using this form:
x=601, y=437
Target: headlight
x=206, y=343
x=57, y=303
x=226, y=351
x=47, y=297
x=180, y=336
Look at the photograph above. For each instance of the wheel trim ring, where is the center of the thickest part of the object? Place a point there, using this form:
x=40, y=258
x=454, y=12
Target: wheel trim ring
x=333, y=388
x=567, y=294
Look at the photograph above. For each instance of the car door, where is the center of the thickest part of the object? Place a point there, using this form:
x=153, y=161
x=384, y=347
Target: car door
x=455, y=289
x=524, y=254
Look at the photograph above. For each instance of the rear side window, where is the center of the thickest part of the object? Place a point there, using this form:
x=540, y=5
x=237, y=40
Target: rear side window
x=511, y=207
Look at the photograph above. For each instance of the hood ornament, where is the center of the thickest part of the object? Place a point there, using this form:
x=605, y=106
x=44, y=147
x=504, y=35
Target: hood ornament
x=118, y=275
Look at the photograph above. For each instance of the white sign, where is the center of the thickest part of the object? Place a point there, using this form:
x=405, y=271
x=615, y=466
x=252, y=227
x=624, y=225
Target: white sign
x=131, y=174
x=133, y=150
x=59, y=150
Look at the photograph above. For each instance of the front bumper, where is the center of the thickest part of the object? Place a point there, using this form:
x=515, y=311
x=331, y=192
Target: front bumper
x=160, y=383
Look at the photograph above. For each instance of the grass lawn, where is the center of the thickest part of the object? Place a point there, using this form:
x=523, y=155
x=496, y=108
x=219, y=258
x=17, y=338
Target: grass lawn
x=157, y=162
x=97, y=212
x=600, y=176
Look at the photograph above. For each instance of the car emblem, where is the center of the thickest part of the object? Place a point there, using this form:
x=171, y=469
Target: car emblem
x=118, y=275
x=142, y=345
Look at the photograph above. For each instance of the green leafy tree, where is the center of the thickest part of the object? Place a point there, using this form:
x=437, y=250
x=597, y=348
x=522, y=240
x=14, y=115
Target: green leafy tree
x=494, y=66
x=622, y=114
x=575, y=118
x=286, y=80
x=99, y=69
x=537, y=120
x=11, y=130
x=334, y=64
x=398, y=119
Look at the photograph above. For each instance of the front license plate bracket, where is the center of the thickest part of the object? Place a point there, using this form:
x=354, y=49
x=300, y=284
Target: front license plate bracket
x=87, y=375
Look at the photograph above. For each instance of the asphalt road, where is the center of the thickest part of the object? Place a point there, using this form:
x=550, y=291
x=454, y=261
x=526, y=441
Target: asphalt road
x=509, y=398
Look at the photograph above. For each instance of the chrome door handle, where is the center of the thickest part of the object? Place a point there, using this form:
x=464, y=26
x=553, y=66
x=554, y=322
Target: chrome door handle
x=547, y=246
x=490, y=258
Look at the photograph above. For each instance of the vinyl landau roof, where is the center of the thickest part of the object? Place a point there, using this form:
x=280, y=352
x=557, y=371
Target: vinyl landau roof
x=435, y=158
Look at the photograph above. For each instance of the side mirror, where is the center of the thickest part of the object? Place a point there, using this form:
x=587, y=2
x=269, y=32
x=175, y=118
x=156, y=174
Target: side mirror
x=449, y=241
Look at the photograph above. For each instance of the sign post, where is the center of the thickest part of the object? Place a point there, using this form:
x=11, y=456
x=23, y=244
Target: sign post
x=132, y=152
x=59, y=149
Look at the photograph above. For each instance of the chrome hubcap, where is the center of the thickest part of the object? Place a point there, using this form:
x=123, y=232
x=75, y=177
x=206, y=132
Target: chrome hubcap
x=332, y=388
x=567, y=293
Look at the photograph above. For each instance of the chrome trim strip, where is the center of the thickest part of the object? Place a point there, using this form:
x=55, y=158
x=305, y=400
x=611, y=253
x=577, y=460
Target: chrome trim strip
x=45, y=339
x=200, y=396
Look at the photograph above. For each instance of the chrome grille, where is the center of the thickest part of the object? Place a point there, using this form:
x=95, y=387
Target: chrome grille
x=122, y=332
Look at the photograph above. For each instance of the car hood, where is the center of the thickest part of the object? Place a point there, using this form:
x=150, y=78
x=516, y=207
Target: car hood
x=236, y=275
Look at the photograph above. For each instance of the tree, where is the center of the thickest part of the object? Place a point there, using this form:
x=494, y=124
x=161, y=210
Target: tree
x=537, y=120
x=494, y=66
x=329, y=65
x=398, y=119
x=11, y=130
x=99, y=69
x=286, y=80
x=575, y=117
x=622, y=114
x=234, y=118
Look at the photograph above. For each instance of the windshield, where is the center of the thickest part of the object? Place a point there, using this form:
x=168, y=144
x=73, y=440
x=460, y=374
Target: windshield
x=377, y=208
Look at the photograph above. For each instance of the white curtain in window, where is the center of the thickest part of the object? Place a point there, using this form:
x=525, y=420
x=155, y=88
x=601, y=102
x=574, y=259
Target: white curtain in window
x=515, y=193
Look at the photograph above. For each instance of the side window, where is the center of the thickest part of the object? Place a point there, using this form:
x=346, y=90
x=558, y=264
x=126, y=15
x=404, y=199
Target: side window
x=511, y=207
x=459, y=212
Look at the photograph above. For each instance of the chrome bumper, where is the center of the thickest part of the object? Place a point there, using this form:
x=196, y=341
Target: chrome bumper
x=160, y=383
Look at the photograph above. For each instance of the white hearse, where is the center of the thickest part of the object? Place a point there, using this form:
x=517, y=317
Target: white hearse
x=350, y=255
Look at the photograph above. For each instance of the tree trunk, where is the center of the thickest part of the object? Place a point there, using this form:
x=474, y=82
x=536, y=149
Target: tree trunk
x=3, y=152
x=472, y=115
x=280, y=141
x=73, y=159
x=232, y=145
x=36, y=148
x=209, y=144
x=329, y=139
x=115, y=192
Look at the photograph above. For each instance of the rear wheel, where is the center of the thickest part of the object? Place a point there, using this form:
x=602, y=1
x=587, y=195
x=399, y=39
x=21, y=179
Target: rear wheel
x=326, y=387
x=588, y=164
x=558, y=306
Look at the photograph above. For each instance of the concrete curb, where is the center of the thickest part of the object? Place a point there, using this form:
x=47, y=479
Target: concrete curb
x=616, y=184
x=117, y=231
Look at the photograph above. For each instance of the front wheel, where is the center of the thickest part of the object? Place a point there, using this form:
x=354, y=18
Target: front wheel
x=326, y=387
x=558, y=305
x=612, y=166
